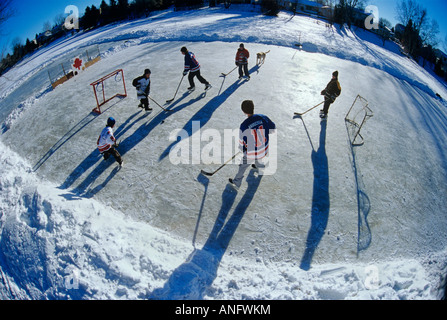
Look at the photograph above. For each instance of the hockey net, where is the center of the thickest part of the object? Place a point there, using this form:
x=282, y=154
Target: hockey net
x=108, y=88
x=356, y=118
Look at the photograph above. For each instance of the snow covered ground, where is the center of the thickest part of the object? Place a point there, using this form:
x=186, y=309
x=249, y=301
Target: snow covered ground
x=74, y=226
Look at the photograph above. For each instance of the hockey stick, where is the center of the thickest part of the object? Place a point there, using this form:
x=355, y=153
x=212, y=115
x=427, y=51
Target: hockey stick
x=212, y=173
x=164, y=109
x=226, y=74
x=300, y=114
x=169, y=101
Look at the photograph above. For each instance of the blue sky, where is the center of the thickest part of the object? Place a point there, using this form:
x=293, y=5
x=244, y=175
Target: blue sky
x=32, y=14
x=30, y=17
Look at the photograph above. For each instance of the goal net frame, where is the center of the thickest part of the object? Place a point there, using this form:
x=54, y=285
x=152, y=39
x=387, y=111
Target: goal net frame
x=357, y=117
x=99, y=89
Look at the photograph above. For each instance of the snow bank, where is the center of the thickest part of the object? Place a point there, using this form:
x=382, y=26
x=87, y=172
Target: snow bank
x=68, y=231
x=59, y=246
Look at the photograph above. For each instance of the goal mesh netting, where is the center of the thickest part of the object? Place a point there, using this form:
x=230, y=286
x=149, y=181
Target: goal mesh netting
x=109, y=87
x=356, y=118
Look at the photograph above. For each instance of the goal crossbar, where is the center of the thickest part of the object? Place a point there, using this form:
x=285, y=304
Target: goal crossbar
x=366, y=113
x=100, y=83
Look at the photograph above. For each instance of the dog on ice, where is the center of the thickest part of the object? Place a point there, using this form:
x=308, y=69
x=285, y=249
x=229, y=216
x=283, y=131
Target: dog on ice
x=260, y=57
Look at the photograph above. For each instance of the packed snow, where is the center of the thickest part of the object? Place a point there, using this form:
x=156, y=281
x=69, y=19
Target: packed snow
x=334, y=221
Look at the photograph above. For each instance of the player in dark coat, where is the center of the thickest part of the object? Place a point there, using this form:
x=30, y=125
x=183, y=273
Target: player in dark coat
x=193, y=67
x=332, y=91
x=143, y=85
x=254, y=137
x=242, y=56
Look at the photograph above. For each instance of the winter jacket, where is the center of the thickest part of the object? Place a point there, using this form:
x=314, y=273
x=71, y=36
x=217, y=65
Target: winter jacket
x=106, y=140
x=191, y=63
x=254, y=135
x=333, y=90
x=143, y=86
x=242, y=56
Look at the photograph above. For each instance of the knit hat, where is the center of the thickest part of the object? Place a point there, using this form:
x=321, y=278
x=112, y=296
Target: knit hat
x=335, y=74
x=248, y=107
x=184, y=50
x=147, y=71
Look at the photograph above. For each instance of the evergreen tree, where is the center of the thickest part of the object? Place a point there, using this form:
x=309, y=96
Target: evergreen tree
x=104, y=12
x=123, y=9
x=270, y=7
x=411, y=39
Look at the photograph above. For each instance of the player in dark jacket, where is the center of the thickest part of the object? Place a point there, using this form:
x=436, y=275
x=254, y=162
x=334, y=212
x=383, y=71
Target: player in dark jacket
x=242, y=56
x=253, y=140
x=143, y=85
x=332, y=91
x=193, y=67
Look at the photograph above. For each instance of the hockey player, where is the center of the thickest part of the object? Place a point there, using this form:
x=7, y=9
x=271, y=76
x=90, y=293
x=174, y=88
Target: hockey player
x=193, y=67
x=332, y=91
x=107, y=142
x=242, y=56
x=253, y=140
x=143, y=85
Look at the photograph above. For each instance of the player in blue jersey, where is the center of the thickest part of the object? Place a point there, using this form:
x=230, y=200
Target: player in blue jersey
x=253, y=140
x=193, y=67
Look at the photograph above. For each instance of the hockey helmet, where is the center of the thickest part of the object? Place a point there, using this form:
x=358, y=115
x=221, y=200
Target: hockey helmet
x=111, y=122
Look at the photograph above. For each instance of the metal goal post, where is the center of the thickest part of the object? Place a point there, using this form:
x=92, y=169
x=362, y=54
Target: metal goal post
x=104, y=94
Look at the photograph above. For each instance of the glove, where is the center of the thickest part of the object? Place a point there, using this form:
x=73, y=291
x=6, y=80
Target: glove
x=237, y=63
x=185, y=73
x=323, y=92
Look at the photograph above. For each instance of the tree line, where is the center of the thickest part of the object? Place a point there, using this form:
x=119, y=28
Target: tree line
x=108, y=12
x=93, y=17
x=418, y=35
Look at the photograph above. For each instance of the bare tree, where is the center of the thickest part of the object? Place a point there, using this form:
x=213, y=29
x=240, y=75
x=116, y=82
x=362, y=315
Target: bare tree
x=411, y=10
x=59, y=19
x=17, y=47
x=429, y=34
x=6, y=11
x=46, y=26
x=346, y=10
x=406, y=10
x=426, y=28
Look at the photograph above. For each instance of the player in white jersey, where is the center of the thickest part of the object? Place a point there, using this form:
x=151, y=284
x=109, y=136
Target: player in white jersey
x=107, y=142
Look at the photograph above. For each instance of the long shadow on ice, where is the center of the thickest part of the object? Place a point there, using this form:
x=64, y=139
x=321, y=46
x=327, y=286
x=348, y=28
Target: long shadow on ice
x=320, y=200
x=125, y=146
x=83, y=123
x=94, y=156
x=363, y=201
x=191, y=279
x=205, y=181
x=206, y=112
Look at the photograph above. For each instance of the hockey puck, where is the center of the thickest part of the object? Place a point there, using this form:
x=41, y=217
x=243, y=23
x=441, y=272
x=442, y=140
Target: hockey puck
x=162, y=121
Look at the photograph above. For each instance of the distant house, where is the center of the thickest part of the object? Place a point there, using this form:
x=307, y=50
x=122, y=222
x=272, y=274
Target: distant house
x=302, y=6
x=399, y=30
x=441, y=58
x=328, y=12
x=359, y=17
x=44, y=36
